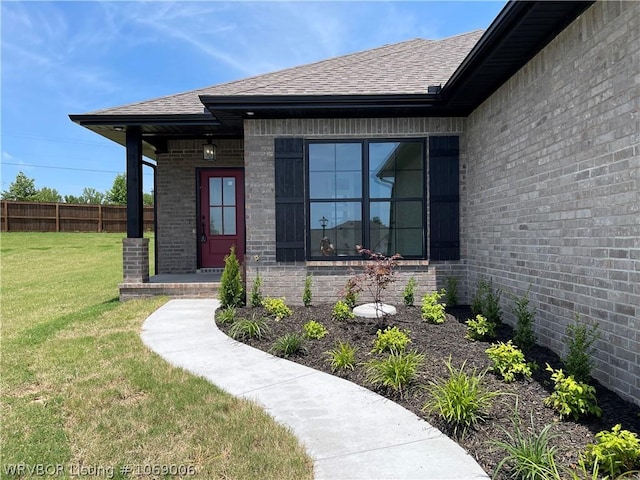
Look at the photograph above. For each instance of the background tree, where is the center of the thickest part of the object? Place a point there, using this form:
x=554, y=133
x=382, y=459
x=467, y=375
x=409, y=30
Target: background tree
x=118, y=193
x=22, y=189
x=147, y=199
x=92, y=196
x=47, y=195
x=72, y=199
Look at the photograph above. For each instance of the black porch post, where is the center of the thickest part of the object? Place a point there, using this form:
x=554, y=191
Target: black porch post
x=135, y=211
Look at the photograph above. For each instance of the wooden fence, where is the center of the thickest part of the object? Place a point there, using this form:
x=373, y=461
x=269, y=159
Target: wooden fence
x=66, y=217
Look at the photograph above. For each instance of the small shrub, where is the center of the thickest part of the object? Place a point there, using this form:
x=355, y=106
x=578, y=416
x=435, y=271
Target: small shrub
x=486, y=301
x=524, y=336
x=276, y=307
x=342, y=357
x=451, y=291
x=306, y=295
x=480, y=328
x=571, y=397
x=342, y=312
x=395, y=372
x=243, y=328
x=391, y=340
x=314, y=330
x=225, y=316
x=231, y=289
x=615, y=452
x=378, y=274
x=580, y=342
x=255, y=299
x=408, y=294
x=432, y=310
x=351, y=293
x=288, y=345
x=508, y=361
x=529, y=455
x=460, y=400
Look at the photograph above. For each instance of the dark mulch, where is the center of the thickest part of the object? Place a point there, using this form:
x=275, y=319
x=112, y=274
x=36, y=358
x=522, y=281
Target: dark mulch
x=438, y=343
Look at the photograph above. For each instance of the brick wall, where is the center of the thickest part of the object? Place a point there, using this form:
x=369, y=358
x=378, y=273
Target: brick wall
x=553, y=188
x=176, y=200
x=329, y=277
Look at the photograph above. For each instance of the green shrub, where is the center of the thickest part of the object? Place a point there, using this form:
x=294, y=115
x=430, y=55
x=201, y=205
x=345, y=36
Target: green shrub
x=580, y=340
x=276, y=307
x=351, y=292
x=288, y=345
x=306, y=295
x=432, y=310
x=342, y=312
x=508, y=361
x=571, y=397
x=615, y=452
x=314, y=330
x=243, y=328
x=529, y=455
x=480, y=328
x=391, y=340
x=524, y=336
x=395, y=372
x=451, y=291
x=408, y=294
x=225, y=316
x=231, y=289
x=486, y=301
x=255, y=299
x=460, y=400
x=342, y=357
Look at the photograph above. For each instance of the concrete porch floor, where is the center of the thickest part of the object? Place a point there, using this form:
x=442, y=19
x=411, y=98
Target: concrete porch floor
x=188, y=285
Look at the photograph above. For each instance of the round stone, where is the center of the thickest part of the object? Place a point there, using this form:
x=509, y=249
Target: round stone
x=369, y=310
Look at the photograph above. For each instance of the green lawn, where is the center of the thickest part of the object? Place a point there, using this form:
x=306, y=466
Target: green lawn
x=80, y=389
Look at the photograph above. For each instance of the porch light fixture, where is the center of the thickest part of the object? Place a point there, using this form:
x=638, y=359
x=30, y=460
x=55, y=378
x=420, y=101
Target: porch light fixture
x=210, y=151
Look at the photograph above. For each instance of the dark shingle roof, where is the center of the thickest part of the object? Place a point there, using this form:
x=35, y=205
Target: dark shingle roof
x=401, y=68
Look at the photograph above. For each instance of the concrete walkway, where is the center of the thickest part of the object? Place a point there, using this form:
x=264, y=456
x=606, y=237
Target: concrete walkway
x=351, y=432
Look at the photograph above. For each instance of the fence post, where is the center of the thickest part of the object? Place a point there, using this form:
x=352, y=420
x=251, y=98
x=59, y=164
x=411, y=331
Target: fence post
x=57, y=217
x=99, y=218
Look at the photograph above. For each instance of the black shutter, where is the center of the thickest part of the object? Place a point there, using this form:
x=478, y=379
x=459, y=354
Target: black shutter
x=444, y=198
x=289, y=186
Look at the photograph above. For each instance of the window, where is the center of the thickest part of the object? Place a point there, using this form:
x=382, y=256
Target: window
x=368, y=193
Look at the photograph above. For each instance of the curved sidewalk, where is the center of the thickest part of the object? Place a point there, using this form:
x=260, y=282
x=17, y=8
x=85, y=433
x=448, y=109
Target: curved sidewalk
x=351, y=432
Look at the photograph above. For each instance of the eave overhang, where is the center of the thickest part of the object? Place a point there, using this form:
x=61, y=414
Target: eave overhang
x=233, y=109
x=518, y=33
x=155, y=129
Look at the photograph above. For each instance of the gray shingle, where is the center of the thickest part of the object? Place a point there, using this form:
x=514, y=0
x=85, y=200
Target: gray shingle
x=401, y=68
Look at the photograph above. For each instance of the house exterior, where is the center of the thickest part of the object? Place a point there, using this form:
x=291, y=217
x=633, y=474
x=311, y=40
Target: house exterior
x=511, y=154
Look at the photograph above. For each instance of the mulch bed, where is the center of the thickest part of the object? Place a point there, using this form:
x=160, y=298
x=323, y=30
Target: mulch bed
x=438, y=343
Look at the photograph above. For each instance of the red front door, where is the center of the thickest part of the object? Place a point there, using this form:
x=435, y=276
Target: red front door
x=221, y=215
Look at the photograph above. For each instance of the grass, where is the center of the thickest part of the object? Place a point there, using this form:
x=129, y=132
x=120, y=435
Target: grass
x=79, y=387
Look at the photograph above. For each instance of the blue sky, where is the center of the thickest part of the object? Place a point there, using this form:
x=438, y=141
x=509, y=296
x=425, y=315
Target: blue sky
x=76, y=57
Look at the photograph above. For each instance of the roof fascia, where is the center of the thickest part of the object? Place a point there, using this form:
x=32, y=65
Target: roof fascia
x=316, y=102
x=142, y=120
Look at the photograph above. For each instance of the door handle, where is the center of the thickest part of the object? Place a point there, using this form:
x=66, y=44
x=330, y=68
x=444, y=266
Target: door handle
x=203, y=235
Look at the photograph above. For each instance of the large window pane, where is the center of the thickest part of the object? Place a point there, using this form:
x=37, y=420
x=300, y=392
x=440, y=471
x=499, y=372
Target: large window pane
x=395, y=170
x=342, y=229
x=390, y=222
x=335, y=170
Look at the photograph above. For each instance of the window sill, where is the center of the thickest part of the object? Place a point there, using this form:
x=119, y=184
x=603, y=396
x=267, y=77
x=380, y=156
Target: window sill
x=362, y=263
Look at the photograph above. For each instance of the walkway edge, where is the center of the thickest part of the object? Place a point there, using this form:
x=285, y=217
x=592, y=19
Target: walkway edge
x=351, y=432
